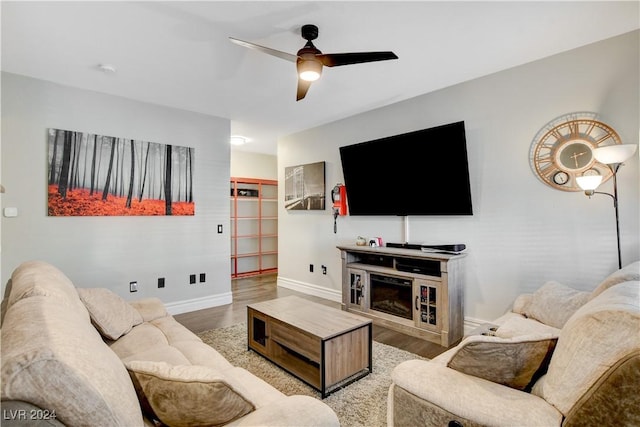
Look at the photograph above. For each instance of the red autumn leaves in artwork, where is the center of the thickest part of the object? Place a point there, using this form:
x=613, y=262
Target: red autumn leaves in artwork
x=80, y=203
x=95, y=175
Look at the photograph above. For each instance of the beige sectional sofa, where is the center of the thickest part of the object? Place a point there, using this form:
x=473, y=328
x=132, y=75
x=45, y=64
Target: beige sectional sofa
x=560, y=357
x=85, y=357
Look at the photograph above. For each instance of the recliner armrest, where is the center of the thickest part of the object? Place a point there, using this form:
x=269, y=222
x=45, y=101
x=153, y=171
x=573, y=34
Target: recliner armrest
x=472, y=398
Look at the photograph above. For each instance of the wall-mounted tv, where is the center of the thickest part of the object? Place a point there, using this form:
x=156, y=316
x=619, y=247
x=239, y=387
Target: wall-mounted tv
x=424, y=172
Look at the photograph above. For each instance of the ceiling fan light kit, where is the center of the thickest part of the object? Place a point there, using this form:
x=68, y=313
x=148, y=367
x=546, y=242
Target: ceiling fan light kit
x=310, y=60
x=309, y=70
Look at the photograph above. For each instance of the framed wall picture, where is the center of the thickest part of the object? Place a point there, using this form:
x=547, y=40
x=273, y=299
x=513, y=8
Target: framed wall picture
x=98, y=175
x=304, y=187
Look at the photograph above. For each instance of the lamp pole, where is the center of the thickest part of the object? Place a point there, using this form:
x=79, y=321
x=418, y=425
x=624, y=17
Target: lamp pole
x=614, y=169
x=612, y=156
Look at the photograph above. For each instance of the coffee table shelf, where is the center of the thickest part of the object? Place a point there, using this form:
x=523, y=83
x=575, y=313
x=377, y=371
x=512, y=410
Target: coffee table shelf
x=325, y=347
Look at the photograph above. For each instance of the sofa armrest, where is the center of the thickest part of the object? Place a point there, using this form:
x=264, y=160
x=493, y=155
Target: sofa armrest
x=294, y=411
x=150, y=308
x=471, y=398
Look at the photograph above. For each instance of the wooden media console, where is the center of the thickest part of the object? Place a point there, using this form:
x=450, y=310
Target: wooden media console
x=407, y=290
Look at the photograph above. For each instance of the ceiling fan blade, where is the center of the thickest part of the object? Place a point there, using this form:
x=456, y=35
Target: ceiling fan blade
x=303, y=87
x=273, y=52
x=335, y=59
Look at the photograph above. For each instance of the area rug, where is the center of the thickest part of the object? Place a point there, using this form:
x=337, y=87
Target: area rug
x=359, y=404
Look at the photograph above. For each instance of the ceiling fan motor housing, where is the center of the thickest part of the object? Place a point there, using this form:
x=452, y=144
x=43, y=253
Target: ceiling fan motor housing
x=309, y=32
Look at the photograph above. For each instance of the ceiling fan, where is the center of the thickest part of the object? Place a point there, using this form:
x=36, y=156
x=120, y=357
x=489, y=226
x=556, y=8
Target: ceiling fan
x=309, y=60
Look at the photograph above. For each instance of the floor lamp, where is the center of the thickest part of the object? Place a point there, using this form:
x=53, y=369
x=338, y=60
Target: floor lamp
x=612, y=156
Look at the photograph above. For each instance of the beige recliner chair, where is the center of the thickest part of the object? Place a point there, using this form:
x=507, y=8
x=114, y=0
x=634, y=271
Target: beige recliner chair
x=591, y=359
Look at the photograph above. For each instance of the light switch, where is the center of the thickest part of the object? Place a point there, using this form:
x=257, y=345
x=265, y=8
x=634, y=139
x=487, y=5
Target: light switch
x=10, y=212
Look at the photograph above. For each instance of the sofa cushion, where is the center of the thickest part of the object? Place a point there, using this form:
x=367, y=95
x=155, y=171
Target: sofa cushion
x=187, y=395
x=110, y=314
x=625, y=274
x=599, y=334
x=54, y=358
x=166, y=340
x=515, y=362
x=554, y=303
x=150, y=308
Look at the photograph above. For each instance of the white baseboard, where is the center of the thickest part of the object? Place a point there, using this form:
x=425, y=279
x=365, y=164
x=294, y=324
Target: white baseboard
x=471, y=323
x=310, y=289
x=194, y=304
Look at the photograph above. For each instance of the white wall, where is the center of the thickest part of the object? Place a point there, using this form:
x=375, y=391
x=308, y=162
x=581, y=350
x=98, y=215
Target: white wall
x=523, y=232
x=112, y=251
x=245, y=164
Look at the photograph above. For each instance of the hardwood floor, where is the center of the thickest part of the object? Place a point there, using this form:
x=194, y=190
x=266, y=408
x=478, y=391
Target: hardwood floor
x=261, y=288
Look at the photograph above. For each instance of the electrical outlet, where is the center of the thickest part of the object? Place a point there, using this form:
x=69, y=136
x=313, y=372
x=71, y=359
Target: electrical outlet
x=310, y=268
x=203, y=277
x=133, y=286
x=160, y=282
x=192, y=279
x=219, y=228
x=324, y=269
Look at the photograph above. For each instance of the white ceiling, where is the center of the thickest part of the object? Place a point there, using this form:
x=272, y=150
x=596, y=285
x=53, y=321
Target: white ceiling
x=178, y=54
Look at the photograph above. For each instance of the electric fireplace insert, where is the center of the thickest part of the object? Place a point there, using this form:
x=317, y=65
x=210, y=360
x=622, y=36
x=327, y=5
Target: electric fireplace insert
x=391, y=295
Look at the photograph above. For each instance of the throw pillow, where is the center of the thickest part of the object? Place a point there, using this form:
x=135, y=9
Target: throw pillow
x=554, y=303
x=110, y=314
x=515, y=362
x=186, y=395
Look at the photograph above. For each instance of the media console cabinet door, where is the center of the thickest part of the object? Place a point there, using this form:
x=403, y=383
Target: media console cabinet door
x=427, y=304
x=357, y=286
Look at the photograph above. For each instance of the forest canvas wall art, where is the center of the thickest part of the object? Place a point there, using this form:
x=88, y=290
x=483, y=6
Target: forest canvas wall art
x=97, y=175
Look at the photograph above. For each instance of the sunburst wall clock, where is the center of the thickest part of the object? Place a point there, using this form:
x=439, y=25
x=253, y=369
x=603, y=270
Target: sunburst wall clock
x=562, y=150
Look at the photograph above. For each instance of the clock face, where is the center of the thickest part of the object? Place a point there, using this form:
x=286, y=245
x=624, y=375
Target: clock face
x=574, y=155
x=563, y=150
x=561, y=178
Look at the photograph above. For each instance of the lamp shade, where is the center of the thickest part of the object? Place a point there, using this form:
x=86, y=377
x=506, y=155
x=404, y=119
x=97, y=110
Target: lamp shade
x=309, y=69
x=589, y=182
x=614, y=153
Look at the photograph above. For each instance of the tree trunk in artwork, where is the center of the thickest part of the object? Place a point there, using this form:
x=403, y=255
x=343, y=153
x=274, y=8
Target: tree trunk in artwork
x=167, y=181
x=85, y=144
x=190, y=175
x=63, y=179
x=52, y=172
x=144, y=174
x=73, y=175
x=93, y=164
x=133, y=157
x=105, y=192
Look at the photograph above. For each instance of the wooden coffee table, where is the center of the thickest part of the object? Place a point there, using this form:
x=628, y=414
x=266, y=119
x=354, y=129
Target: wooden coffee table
x=325, y=347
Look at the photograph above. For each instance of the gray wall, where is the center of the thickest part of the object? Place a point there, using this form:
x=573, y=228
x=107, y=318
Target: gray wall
x=245, y=164
x=112, y=251
x=523, y=232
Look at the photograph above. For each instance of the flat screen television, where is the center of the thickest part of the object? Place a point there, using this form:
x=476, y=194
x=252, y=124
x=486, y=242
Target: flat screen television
x=424, y=172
